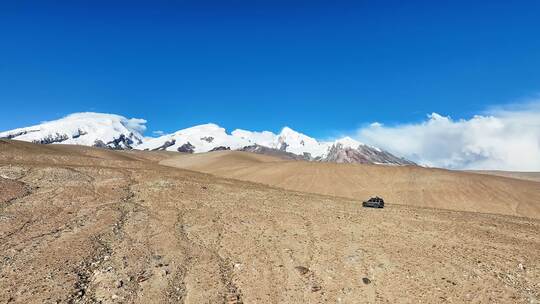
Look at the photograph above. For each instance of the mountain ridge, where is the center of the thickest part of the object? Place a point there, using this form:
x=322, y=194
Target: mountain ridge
x=86, y=128
x=117, y=132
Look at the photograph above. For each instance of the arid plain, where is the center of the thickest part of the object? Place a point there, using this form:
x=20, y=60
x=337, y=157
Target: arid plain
x=88, y=225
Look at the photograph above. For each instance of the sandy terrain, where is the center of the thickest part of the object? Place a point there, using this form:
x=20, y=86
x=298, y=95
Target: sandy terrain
x=408, y=185
x=532, y=176
x=92, y=226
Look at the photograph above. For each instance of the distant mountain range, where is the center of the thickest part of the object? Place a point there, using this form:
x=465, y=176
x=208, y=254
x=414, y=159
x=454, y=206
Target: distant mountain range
x=117, y=132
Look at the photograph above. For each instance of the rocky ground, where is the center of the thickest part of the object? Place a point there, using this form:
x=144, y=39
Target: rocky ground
x=83, y=225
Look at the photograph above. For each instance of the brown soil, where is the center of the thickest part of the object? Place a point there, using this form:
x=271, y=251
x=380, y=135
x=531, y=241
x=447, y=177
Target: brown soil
x=405, y=185
x=117, y=227
x=10, y=190
x=532, y=176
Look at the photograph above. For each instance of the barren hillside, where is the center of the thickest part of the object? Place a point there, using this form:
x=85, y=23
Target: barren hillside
x=407, y=185
x=85, y=225
x=532, y=176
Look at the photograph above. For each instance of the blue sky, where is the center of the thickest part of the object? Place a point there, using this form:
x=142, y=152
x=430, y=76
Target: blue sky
x=322, y=67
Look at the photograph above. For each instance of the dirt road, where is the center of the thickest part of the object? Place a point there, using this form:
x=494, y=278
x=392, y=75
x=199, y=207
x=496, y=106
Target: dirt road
x=82, y=225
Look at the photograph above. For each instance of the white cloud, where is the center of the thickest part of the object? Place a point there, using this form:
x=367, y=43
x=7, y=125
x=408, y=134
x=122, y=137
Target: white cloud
x=499, y=139
x=158, y=133
x=136, y=124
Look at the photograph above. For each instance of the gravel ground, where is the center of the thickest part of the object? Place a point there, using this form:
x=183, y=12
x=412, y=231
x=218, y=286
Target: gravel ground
x=97, y=226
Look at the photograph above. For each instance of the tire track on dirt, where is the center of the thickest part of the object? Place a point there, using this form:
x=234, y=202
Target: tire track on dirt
x=104, y=243
x=27, y=191
x=82, y=292
x=194, y=250
x=177, y=287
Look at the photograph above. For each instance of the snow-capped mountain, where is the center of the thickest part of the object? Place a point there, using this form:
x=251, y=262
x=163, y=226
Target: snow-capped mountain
x=362, y=154
x=288, y=140
x=118, y=132
x=202, y=138
x=89, y=129
x=287, y=144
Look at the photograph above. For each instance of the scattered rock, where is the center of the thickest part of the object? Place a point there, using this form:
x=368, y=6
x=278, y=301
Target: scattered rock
x=315, y=288
x=119, y=284
x=302, y=270
x=80, y=293
x=232, y=299
x=366, y=281
x=142, y=278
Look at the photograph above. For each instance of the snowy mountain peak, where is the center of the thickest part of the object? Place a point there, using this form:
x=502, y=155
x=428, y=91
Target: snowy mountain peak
x=118, y=132
x=291, y=134
x=201, y=138
x=348, y=142
x=87, y=128
x=295, y=142
x=286, y=131
x=209, y=127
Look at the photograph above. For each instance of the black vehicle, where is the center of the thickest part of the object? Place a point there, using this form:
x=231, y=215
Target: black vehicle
x=374, y=202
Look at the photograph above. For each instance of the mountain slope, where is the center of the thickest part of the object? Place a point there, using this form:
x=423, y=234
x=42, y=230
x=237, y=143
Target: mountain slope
x=273, y=152
x=407, y=185
x=343, y=150
x=88, y=129
x=363, y=154
x=532, y=176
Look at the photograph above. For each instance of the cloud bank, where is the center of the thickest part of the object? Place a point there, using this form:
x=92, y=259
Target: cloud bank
x=499, y=139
